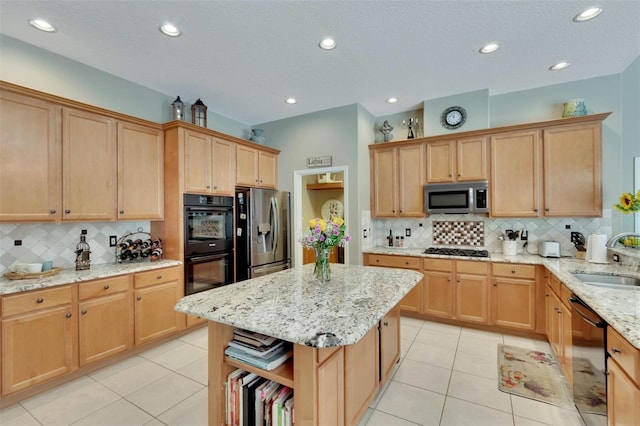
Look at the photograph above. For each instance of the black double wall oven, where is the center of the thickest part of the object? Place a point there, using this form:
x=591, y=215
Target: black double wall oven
x=208, y=242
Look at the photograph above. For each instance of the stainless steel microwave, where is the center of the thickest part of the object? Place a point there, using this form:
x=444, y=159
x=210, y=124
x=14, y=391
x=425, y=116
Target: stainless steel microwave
x=457, y=197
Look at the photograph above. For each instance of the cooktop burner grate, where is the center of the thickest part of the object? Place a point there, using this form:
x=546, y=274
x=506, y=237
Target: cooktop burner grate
x=456, y=252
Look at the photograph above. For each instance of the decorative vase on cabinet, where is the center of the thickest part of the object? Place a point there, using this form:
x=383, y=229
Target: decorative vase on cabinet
x=322, y=269
x=256, y=136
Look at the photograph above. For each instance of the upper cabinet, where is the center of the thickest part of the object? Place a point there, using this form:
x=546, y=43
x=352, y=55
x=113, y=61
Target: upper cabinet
x=457, y=160
x=209, y=164
x=256, y=167
x=30, y=159
x=61, y=160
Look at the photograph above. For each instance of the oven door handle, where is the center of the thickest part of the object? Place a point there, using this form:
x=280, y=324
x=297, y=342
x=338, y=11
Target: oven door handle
x=577, y=302
x=206, y=209
x=206, y=258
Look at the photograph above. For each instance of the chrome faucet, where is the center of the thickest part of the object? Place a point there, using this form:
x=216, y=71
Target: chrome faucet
x=613, y=240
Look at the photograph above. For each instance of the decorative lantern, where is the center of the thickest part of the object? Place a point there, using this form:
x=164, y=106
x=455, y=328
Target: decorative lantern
x=199, y=113
x=178, y=109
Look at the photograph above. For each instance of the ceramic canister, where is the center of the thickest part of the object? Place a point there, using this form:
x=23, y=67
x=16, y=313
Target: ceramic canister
x=574, y=108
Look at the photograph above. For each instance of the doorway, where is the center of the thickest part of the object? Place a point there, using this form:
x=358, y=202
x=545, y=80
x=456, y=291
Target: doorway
x=314, y=191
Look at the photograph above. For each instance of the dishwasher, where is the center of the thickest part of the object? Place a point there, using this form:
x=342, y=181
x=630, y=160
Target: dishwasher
x=589, y=338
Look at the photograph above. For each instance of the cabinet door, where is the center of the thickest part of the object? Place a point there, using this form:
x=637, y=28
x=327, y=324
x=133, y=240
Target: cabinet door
x=389, y=342
x=411, y=181
x=267, y=170
x=154, y=314
x=472, y=298
x=573, y=156
x=30, y=171
x=412, y=302
x=330, y=391
x=515, y=174
x=246, y=166
x=140, y=172
x=441, y=161
x=623, y=397
x=223, y=167
x=567, y=342
x=89, y=171
x=360, y=375
x=197, y=163
x=384, y=182
x=472, y=159
x=37, y=347
x=105, y=327
x=438, y=291
x=513, y=303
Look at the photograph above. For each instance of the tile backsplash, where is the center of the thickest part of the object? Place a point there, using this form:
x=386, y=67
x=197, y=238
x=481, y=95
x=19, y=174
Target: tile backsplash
x=427, y=231
x=57, y=242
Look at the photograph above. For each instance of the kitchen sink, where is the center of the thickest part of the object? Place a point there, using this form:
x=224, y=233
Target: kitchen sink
x=611, y=281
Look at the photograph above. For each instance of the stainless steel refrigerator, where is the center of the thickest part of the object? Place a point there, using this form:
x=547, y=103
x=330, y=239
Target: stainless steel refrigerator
x=263, y=224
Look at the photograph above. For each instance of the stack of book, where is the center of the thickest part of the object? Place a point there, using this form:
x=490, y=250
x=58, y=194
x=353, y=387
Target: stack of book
x=258, y=350
x=252, y=400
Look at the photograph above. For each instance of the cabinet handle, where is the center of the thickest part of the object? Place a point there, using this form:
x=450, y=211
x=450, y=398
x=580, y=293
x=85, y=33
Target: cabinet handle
x=546, y=210
x=121, y=211
x=256, y=180
x=449, y=174
x=68, y=315
x=377, y=260
x=208, y=186
x=83, y=312
x=459, y=175
x=535, y=210
x=615, y=350
x=260, y=180
x=139, y=298
x=495, y=284
x=401, y=211
x=386, y=324
x=67, y=211
x=513, y=271
x=448, y=280
x=106, y=287
x=215, y=187
x=393, y=211
x=52, y=211
x=40, y=300
x=159, y=277
x=458, y=281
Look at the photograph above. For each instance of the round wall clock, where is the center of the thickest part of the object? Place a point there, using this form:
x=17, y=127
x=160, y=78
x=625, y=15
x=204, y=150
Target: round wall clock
x=453, y=117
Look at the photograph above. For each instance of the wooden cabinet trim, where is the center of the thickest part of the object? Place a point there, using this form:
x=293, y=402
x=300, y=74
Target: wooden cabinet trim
x=156, y=276
x=103, y=287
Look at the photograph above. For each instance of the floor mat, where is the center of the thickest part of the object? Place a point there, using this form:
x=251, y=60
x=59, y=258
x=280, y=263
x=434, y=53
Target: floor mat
x=589, y=387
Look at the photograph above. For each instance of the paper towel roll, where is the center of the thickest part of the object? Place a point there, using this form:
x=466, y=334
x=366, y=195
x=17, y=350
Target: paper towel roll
x=597, y=248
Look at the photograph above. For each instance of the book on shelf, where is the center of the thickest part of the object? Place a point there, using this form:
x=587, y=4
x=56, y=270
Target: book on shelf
x=261, y=352
x=239, y=400
x=253, y=338
x=249, y=401
x=288, y=412
x=278, y=403
x=262, y=402
x=230, y=394
x=278, y=358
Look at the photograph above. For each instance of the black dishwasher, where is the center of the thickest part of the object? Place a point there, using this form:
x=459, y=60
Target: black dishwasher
x=589, y=356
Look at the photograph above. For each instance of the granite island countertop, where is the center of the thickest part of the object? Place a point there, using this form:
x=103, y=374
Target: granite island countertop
x=70, y=275
x=619, y=308
x=291, y=306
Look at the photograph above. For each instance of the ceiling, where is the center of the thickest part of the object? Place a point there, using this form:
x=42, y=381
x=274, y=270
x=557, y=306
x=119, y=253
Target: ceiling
x=243, y=58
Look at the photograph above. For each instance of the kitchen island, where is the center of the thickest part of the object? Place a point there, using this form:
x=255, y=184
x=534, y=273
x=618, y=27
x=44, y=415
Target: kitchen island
x=345, y=335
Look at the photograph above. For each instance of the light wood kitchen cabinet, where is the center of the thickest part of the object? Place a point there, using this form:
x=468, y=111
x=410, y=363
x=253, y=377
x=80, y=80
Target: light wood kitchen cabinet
x=39, y=337
x=559, y=327
x=30, y=159
x=255, y=167
x=397, y=179
x=209, y=164
x=140, y=172
x=106, y=318
x=573, y=156
x=156, y=293
x=389, y=342
x=361, y=377
x=412, y=302
x=88, y=166
x=472, y=291
x=457, y=160
x=438, y=289
x=623, y=381
x=513, y=297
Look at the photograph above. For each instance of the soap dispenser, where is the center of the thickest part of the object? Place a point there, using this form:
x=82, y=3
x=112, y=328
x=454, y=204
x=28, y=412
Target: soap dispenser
x=83, y=252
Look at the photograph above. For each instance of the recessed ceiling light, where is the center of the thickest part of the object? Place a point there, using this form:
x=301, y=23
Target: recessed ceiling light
x=490, y=48
x=42, y=25
x=559, y=66
x=391, y=100
x=170, y=30
x=291, y=101
x=327, y=44
x=588, y=14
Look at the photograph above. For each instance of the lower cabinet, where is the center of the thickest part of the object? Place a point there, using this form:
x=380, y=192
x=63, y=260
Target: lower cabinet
x=559, y=328
x=412, y=302
x=513, y=296
x=389, y=342
x=361, y=377
x=156, y=294
x=438, y=288
x=39, y=337
x=623, y=381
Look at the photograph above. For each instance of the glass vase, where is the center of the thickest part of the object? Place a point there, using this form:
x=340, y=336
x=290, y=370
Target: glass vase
x=322, y=270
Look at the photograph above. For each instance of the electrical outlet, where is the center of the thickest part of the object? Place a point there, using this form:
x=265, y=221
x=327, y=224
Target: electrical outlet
x=83, y=232
x=17, y=242
x=407, y=232
x=113, y=239
x=524, y=236
x=567, y=227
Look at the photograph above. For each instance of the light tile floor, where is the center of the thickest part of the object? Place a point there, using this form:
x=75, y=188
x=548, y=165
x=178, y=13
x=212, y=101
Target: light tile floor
x=447, y=375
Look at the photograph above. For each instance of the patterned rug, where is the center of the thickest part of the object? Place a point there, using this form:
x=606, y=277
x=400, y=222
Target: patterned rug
x=532, y=374
x=589, y=385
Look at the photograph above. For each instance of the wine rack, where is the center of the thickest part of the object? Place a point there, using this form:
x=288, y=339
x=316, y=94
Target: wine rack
x=139, y=246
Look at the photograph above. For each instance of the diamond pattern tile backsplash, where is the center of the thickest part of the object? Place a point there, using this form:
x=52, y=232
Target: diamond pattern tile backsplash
x=57, y=242
x=440, y=230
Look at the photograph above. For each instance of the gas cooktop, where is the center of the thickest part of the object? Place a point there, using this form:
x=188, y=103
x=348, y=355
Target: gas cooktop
x=456, y=252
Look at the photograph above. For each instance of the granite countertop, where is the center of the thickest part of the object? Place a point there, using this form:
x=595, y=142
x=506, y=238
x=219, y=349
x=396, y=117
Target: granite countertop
x=293, y=307
x=619, y=308
x=70, y=275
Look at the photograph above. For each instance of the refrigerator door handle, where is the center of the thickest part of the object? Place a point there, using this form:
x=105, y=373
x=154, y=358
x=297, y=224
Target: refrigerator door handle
x=276, y=225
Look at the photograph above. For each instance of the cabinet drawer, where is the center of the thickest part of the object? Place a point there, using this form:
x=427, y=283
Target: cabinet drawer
x=468, y=267
x=103, y=287
x=514, y=270
x=157, y=276
x=394, y=261
x=35, y=300
x=445, y=265
x=627, y=356
x=565, y=294
x=555, y=285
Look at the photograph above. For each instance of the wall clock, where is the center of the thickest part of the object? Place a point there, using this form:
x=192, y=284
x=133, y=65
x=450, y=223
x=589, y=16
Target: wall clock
x=453, y=117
